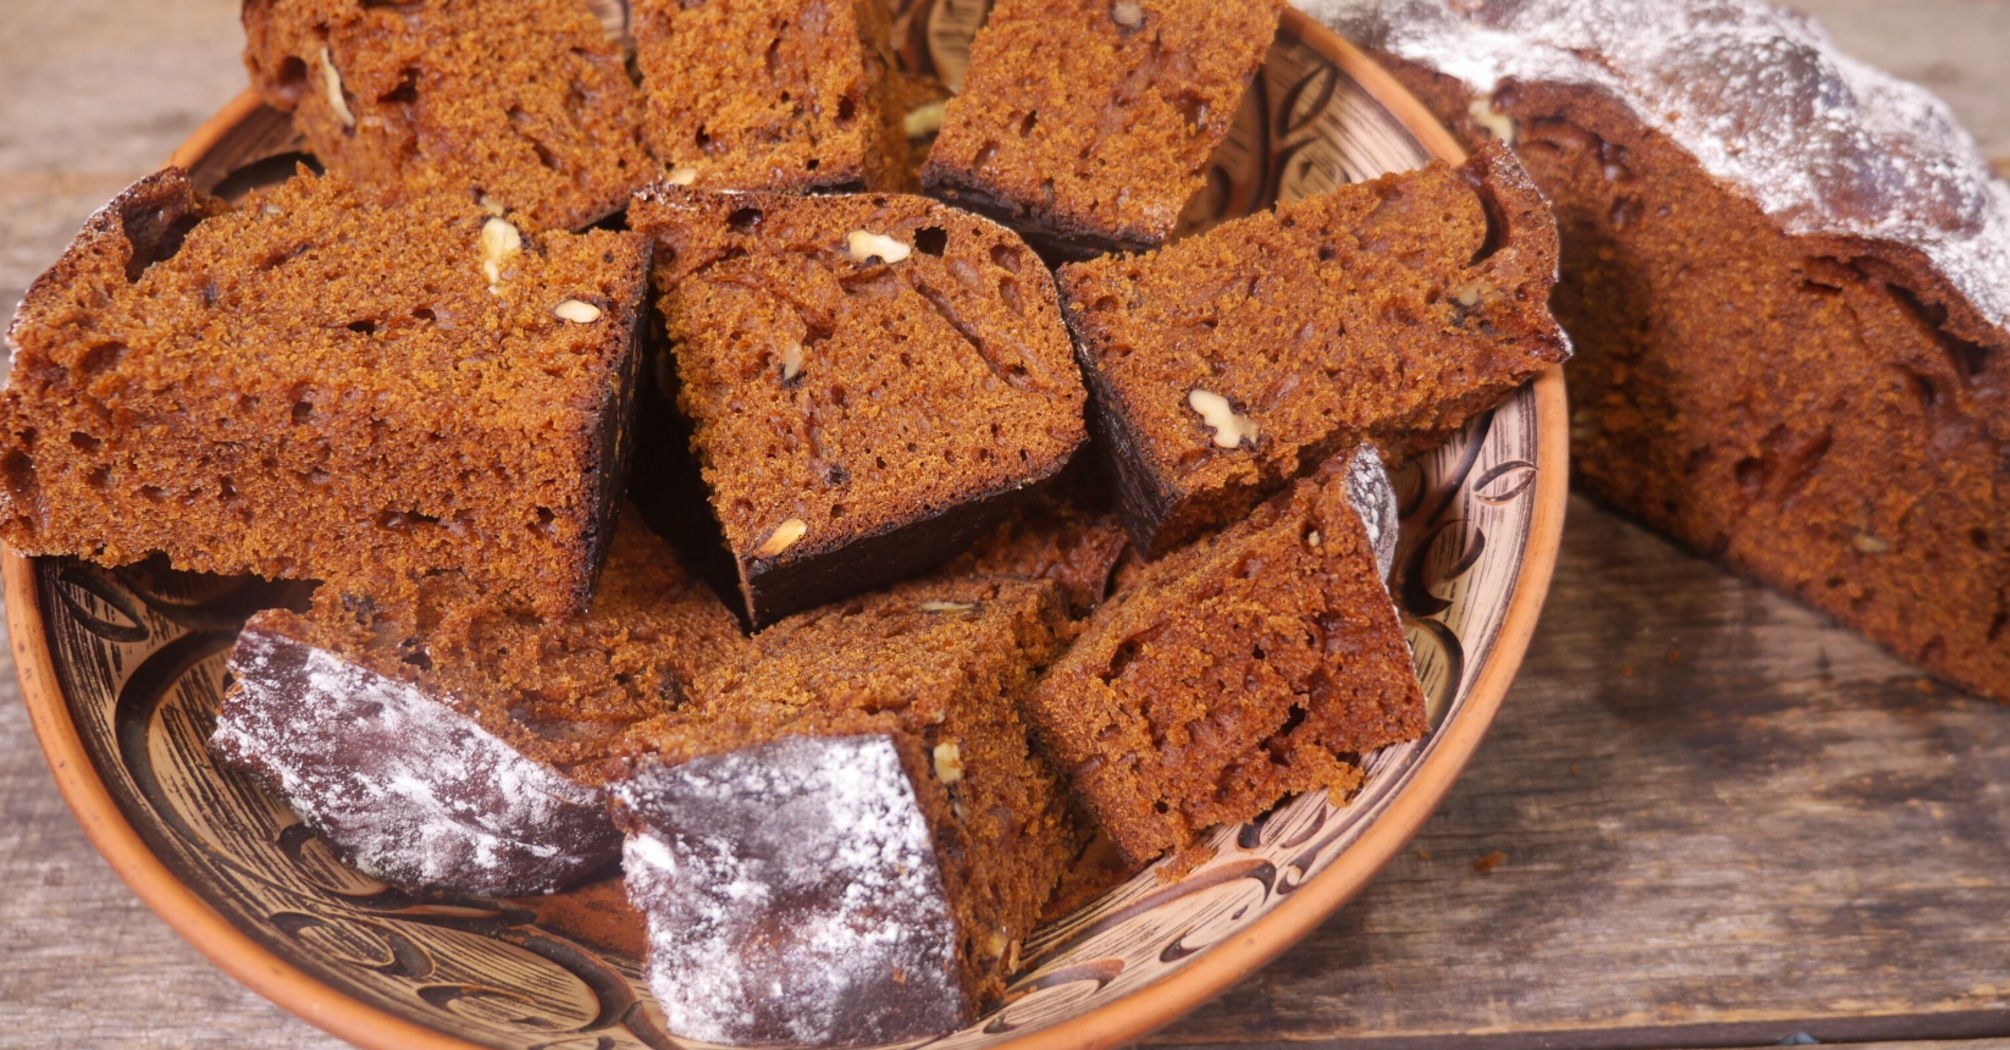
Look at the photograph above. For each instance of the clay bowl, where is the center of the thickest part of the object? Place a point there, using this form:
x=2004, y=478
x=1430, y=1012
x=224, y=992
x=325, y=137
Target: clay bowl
x=122, y=671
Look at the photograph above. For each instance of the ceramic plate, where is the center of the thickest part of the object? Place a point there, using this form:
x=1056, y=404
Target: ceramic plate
x=122, y=670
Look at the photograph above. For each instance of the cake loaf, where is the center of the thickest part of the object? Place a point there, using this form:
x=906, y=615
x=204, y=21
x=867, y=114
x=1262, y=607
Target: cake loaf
x=1255, y=663
x=1087, y=124
x=1788, y=279
x=1226, y=364
x=442, y=740
x=328, y=383
x=851, y=839
x=872, y=381
x=785, y=96
x=526, y=103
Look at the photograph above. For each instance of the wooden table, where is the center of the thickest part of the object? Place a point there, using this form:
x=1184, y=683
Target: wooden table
x=1706, y=817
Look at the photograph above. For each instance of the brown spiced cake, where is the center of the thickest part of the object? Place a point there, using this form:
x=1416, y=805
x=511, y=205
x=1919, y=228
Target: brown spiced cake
x=1225, y=364
x=788, y=96
x=325, y=383
x=1787, y=276
x=443, y=740
x=854, y=836
x=1255, y=663
x=1052, y=538
x=1087, y=124
x=872, y=381
x=527, y=104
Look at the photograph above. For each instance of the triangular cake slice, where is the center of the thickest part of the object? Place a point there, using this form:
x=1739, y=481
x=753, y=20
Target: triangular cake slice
x=1226, y=364
x=1253, y=664
x=872, y=382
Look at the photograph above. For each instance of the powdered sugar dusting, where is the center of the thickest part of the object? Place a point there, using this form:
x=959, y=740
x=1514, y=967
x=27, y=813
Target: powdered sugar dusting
x=409, y=789
x=1823, y=143
x=1374, y=499
x=792, y=895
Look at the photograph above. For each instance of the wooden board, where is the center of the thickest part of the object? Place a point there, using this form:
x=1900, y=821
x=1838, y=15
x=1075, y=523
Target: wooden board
x=1776, y=831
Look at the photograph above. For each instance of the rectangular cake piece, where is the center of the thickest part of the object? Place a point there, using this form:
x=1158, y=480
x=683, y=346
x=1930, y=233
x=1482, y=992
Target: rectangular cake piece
x=1087, y=124
x=849, y=840
x=1224, y=365
x=527, y=103
x=1250, y=665
x=326, y=383
x=440, y=740
x=787, y=96
x=872, y=381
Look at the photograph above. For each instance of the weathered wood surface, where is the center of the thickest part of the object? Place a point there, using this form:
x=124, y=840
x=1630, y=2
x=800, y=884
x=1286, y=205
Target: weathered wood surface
x=1724, y=820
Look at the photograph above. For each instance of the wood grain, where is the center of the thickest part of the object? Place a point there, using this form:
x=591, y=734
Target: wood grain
x=1777, y=830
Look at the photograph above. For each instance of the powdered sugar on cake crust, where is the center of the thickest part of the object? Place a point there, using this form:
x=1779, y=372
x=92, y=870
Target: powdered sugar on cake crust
x=1824, y=144
x=410, y=790
x=792, y=892
x=1372, y=496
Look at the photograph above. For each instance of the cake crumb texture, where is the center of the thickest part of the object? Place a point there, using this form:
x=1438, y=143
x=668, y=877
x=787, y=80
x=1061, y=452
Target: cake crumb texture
x=788, y=96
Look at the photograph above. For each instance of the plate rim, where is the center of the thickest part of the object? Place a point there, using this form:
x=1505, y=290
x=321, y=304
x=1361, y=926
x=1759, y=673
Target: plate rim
x=1119, y=1021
